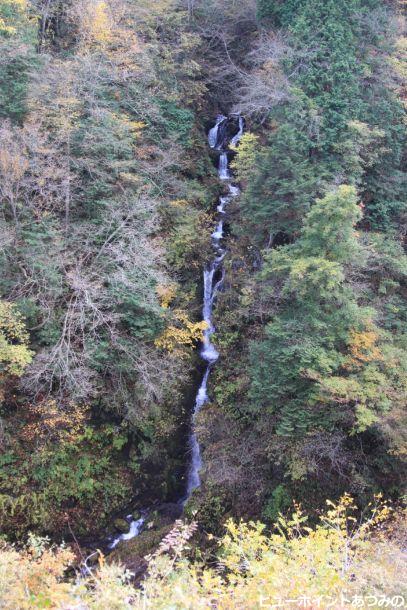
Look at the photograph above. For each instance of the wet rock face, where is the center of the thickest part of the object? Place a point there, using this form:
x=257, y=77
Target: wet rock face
x=225, y=130
x=229, y=131
x=223, y=134
x=132, y=553
x=170, y=511
x=233, y=125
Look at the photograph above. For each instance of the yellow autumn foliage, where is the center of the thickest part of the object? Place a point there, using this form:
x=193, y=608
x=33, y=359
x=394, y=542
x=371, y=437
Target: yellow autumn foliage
x=33, y=578
x=96, y=23
x=245, y=160
x=363, y=348
x=184, y=334
x=19, y=7
x=135, y=127
x=14, y=352
x=179, y=203
x=6, y=29
x=166, y=294
x=47, y=420
x=332, y=565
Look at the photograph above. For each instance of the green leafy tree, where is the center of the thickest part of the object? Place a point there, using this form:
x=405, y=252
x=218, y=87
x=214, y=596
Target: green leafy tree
x=323, y=362
x=277, y=11
x=305, y=340
x=244, y=163
x=14, y=352
x=340, y=62
x=17, y=48
x=280, y=189
x=326, y=31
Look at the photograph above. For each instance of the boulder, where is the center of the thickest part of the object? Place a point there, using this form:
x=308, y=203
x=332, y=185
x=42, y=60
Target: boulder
x=122, y=526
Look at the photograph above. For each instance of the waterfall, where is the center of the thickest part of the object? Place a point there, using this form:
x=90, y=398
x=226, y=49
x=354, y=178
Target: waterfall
x=224, y=173
x=194, y=481
x=212, y=286
x=135, y=528
x=218, y=232
x=236, y=139
x=213, y=278
x=222, y=202
x=214, y=132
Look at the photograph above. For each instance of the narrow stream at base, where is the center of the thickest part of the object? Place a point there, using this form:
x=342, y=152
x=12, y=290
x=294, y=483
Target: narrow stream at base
x=213, y=276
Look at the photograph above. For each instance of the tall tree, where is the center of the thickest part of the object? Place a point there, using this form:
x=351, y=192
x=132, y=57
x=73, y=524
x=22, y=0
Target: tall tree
x=282, y=182
x=305, y=341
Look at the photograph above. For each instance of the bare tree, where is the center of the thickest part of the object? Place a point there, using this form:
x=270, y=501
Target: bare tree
x=264, y=84
x=191, y=6
x=32, y=171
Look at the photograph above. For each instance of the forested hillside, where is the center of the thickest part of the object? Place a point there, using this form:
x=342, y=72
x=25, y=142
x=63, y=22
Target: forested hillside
x=108, y=193
x=310, y=395
x=102, y=207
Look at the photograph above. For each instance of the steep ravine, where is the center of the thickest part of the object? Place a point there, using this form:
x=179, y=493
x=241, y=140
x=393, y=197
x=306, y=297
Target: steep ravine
x=226, y=131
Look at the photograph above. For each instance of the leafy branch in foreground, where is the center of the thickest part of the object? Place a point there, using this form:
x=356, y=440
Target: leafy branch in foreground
x=343, y=557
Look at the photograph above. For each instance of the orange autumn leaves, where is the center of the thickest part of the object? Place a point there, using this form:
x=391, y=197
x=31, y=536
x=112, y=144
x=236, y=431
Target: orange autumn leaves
x=363, y=347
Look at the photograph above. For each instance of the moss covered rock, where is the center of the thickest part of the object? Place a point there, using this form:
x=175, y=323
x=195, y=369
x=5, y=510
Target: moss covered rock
x=132, y=553
x=122, y=526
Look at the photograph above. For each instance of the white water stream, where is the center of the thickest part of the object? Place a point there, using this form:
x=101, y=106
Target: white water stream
x=236, y=139
x=213, y=134
x=213, y=277
x=135, y=528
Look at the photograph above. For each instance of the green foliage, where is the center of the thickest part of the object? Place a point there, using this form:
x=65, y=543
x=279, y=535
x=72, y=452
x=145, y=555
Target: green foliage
x=308, y=333
x=329, y=227
x=142, y=318
x=176, y=121
x=104, y=187
x=15, y=354
x=278, y=502
x=318, y=316
x=279, y=191
x=17, y=40
x=324, y=320
x=280, y=12
x=73, y=473
x=345, y=80
x=14, y=76
x=102, y=143
x=187, y=245
x=209, y=508
x=244, y=164
x=361, y=150
x=332, y=77
x=356, y=129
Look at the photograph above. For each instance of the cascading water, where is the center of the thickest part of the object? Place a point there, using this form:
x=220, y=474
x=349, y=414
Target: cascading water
x=211, y=288
x=213, y=134
x=213, y=277
x=236, y=139
x=224, y=173
x=193, y=480
x=136, y=525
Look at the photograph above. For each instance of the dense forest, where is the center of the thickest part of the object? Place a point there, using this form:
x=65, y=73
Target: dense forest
x=108, y=193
